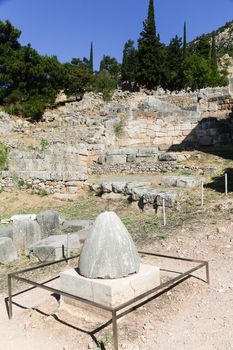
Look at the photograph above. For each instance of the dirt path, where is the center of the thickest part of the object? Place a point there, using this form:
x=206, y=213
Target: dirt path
x=192, y=316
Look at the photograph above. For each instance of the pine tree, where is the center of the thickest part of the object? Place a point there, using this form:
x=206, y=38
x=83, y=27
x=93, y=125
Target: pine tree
x=150, y=53
x=91, y=59
x=185, y=41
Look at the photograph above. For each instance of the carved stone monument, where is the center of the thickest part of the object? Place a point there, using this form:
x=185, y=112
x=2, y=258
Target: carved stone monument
x=109, y=251
x=109, y=270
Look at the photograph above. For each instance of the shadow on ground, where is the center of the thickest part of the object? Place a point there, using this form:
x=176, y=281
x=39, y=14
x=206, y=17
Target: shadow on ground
x=218, y=182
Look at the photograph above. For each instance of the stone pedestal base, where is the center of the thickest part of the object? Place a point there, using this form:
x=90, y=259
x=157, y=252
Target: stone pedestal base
x=110, y=292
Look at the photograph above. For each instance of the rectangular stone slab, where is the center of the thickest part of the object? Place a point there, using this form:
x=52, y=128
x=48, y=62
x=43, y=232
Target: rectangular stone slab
x=110, y=292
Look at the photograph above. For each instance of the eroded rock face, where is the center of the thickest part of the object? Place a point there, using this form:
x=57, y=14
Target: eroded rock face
x=109, y=251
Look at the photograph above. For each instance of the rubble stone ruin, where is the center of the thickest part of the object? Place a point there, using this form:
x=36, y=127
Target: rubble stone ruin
x=109, y=251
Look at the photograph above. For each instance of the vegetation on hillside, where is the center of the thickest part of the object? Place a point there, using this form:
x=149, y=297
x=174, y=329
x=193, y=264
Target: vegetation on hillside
x=29, y=82
x=225, y=45
x=175, y=66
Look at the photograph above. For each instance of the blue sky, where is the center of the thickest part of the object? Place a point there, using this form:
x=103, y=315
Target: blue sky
x=66, y=27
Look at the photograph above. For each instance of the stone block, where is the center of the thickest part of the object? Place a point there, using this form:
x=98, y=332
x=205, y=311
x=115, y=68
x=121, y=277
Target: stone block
x=169, y=180
x=170, y=196
x=112, y=196
x=131, y=158
x=49, y=223
x=110, y=292
x=138, y=193
x=7, y=250
x=76, y=225
x=23, y=217
x=118, y=187
x=50, y=249
x=168, y=157
x=188, y=182
x=25, y=233
x=116, y=159
x=150, y=196
x=6, y=231
x=106, y=187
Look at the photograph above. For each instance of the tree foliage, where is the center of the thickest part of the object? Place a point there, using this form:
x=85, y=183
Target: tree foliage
x=28, y=81
x=174, y=63
x=150, y=53
x=129, y=63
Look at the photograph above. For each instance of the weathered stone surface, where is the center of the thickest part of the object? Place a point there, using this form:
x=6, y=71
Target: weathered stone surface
x=188, y=182
x=155, y=104
x=116, y=159
x=169, y=180
x=50, y=249
x=76, y=225
x=168, y=157
x=110, y=292
x=23, y=217
x=49, y=223
x=25, y=233
x=151, y=195
x=180, y=181
x=112, y=196
x=109, y=251
x=7, y=250
x=170, y=196
x=118, y=187
x=106, y=187
x=6, y=231
x=139, y=192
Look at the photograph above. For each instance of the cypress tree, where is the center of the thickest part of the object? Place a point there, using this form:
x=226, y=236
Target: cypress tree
x=213, y=54
x=91, y=58
x=185, y=41
x=150, y=53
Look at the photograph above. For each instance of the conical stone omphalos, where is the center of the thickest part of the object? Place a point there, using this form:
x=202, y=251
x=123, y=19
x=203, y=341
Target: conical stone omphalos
x=109, y=251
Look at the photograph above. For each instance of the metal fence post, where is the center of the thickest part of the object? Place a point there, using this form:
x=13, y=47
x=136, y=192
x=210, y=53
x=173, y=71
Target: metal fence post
x=207, y=273
x=10, y=295
x=226, y=184
x=202, y=194
x=68, y=248
x=115, y=330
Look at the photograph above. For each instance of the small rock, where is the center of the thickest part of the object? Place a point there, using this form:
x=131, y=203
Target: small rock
x=221, y=230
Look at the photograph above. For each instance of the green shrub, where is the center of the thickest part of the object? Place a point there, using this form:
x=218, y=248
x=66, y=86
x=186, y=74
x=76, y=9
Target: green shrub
x=4, y=151
x=105, y=84
x=118, y=129
x=20, y=183
x=44, y=144
x=42, y=192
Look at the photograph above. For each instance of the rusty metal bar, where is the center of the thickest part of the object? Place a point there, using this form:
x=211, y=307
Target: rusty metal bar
x=41, y=266
x=171, y=257
x=161, y=286
x=115, y=330
x=58, y=291
x=9, y=278
x=207, y=273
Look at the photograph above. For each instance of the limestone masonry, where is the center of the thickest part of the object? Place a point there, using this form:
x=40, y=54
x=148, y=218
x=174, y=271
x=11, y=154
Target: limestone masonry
x=133, y=133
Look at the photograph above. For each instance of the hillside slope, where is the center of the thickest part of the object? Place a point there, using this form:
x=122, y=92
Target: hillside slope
x=224, y=39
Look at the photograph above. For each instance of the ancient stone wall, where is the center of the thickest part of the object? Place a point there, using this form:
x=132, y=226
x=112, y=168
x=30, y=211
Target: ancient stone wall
x=129, y=134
